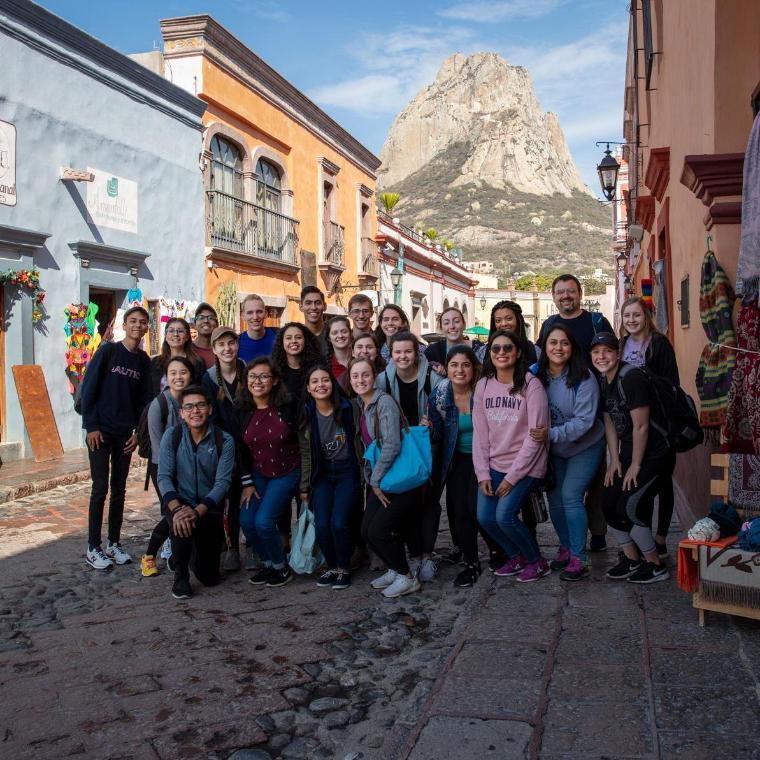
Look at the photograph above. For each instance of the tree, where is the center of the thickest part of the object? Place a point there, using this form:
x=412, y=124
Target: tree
x=542, y=281
x=448, y=244
x=431, y=234
x=389, y=201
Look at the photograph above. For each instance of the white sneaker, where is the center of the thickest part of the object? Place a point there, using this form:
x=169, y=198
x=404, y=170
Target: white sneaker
x=166, y=549
x=401, y=586
x=384, y=580
x=428, y=571
x=97, y=559
x=117, y=554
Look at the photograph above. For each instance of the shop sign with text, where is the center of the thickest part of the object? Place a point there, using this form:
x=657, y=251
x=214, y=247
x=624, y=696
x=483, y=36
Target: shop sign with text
x=112, y=201
x=7, y=164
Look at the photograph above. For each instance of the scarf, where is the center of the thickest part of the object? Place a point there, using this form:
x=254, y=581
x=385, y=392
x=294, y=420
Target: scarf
x=716, y=365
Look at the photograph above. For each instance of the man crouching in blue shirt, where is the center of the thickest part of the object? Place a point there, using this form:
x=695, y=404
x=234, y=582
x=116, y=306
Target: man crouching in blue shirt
x=194, y=473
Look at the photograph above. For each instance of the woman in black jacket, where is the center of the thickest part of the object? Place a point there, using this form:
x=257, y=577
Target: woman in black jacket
x=177, y=342
x=643, y=345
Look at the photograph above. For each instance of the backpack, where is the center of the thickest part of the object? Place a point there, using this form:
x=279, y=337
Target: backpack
x=675, y=414
x=143, y=436
x=107, y=346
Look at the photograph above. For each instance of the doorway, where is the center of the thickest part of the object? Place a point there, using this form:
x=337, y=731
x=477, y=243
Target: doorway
x=106, y=301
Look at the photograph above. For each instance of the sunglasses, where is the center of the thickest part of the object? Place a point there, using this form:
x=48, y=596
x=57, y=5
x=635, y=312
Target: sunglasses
x=502, y=348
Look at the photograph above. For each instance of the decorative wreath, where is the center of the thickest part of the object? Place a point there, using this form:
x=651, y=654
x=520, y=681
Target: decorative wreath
x=29, y=279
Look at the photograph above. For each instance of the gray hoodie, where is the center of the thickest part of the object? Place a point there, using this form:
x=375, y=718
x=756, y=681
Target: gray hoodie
x=575, y=422
x=384, y=411
x=156, y=426
x=388, y=378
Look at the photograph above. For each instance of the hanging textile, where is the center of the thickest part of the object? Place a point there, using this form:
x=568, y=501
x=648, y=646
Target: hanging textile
x=135, y=297
x=716, y=301
x=741, y=430
x=660, y=296
x=748, y=265
x=82, y=340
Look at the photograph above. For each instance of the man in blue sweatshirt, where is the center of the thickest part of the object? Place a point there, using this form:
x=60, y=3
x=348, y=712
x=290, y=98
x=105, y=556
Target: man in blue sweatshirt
x=194, y=474
x=115, y=390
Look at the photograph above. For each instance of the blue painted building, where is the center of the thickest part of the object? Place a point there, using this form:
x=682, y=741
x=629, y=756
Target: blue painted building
x=100, y=190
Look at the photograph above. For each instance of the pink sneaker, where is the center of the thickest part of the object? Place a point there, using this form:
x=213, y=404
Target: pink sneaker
x=533, y=571
x=575, y=570
x=513, y=566
x=560, y=562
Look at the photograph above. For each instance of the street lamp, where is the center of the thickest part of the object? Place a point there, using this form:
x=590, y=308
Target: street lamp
x=483, y=303
x=608, y=171
x=396, y=275
x=621, y=260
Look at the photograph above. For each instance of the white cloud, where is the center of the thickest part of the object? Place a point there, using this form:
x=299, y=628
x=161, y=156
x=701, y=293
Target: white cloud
x=372, y=94
x=490, y=12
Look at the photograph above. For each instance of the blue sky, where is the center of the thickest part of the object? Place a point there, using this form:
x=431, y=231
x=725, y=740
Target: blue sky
x=362, y=62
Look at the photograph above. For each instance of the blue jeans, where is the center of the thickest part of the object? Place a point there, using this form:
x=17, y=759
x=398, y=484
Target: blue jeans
x=568, y=512
x=499, y=518
x=258, y=517
x=335, y=500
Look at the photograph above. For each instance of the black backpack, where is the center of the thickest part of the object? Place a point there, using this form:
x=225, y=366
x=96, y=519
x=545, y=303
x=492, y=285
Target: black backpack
x=143, y=436
x=675, y=415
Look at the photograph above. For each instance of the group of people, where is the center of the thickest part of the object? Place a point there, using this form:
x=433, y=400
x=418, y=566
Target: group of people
x=240, y=427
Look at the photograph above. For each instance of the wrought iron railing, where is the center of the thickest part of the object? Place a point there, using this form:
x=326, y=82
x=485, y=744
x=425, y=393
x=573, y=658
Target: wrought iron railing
x=370, y=264
x=244, y=227
x=335, y=247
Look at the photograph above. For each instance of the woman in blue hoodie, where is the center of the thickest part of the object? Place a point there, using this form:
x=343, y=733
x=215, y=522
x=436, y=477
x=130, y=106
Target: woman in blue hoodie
x=576, y=439
x=409, y=379
x=330, y=471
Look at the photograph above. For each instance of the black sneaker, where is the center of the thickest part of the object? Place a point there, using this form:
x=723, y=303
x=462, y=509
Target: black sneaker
x=279, y=577
x=452, y=557
x=327, y=578
x=624, y=568
x=342, y=580
x=181, y=588
x=496, y=560
x=468, y=577
x=597, y=543
x=648, y=572
x=260, y=578
x=662, y=550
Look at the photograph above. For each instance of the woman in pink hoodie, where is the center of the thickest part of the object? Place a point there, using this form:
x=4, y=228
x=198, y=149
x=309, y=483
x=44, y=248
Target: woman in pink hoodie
x=509, y=403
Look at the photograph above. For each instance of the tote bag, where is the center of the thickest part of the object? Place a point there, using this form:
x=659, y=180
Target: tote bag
x=305, y=556
x=413, y=465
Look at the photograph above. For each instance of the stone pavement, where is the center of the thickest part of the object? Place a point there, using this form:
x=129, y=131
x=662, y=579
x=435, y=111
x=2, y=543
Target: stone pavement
x=110, y=665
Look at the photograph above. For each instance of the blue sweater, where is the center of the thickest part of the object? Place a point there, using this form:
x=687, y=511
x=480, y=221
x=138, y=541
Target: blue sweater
x=196, y=474
x=575, y=422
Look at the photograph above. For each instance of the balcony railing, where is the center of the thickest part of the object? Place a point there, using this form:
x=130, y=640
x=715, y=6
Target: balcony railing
x=247, y=228
x=335, y=247
x=370, y=264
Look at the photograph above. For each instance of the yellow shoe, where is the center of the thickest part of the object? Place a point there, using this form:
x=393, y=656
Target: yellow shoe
x=148, y=566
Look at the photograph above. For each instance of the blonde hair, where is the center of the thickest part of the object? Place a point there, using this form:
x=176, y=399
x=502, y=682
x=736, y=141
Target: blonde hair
x=252, y=297
x=647, y=312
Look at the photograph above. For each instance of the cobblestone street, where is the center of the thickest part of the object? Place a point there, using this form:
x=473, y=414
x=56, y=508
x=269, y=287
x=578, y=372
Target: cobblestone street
x=109, y=665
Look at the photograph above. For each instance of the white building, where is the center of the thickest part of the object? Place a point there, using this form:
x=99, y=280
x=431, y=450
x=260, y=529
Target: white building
x=431, y=279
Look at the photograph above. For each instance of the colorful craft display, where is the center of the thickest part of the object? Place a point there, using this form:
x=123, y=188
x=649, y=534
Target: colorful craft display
x=29, y=279
x=646, y=294
x=82, y=340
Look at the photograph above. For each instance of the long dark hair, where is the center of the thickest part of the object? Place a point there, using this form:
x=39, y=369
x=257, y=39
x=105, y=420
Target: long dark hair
x=186, y=363
x=336, y=395
x=379, y=334
x=577, y=371
x=405, y=336
x=187, y=347
x=521, y=365
x=469, y=354
x=328, y=325
x=310, y=354
x=516, y=309
x=280, y=396
x=379, y=361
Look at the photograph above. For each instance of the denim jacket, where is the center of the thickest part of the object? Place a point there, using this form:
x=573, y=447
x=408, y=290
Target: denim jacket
x=444, y=415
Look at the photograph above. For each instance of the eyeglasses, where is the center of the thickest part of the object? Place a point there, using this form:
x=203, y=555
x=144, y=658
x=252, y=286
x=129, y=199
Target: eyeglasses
x=178, y=331
x=361, y=311
x=259, y=378
x=499, y=348
x=206, y=318
x=199, y=406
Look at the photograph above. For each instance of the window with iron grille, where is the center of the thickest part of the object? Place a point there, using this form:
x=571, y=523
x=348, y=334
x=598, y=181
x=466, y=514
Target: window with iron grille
x=683, y=303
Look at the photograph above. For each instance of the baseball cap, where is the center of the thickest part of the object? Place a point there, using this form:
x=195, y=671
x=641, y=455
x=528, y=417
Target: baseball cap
x=605, y=339
x=220, y=331
x=203, y=306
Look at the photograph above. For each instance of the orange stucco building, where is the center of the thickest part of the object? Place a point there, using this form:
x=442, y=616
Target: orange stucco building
x=289, y=192
x=691, y=94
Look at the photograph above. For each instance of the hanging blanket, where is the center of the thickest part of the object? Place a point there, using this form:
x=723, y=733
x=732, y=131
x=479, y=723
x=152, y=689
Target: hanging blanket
x=741, y=430
x=729, y=575
x=748, y=266
x=716, y=301
x=744, y=482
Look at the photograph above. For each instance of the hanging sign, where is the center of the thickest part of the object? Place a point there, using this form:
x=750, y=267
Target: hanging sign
x=7, y=164
x=112, y=201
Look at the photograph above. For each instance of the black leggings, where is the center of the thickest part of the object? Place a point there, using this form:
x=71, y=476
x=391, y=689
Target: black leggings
x=383, y=527
x=107, y=460
x=421, y=529
x=161, y=529
x=665, y=502
x=462, y=505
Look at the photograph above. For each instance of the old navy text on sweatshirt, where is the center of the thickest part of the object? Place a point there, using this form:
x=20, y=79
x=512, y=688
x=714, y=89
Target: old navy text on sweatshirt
x=501, y=426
